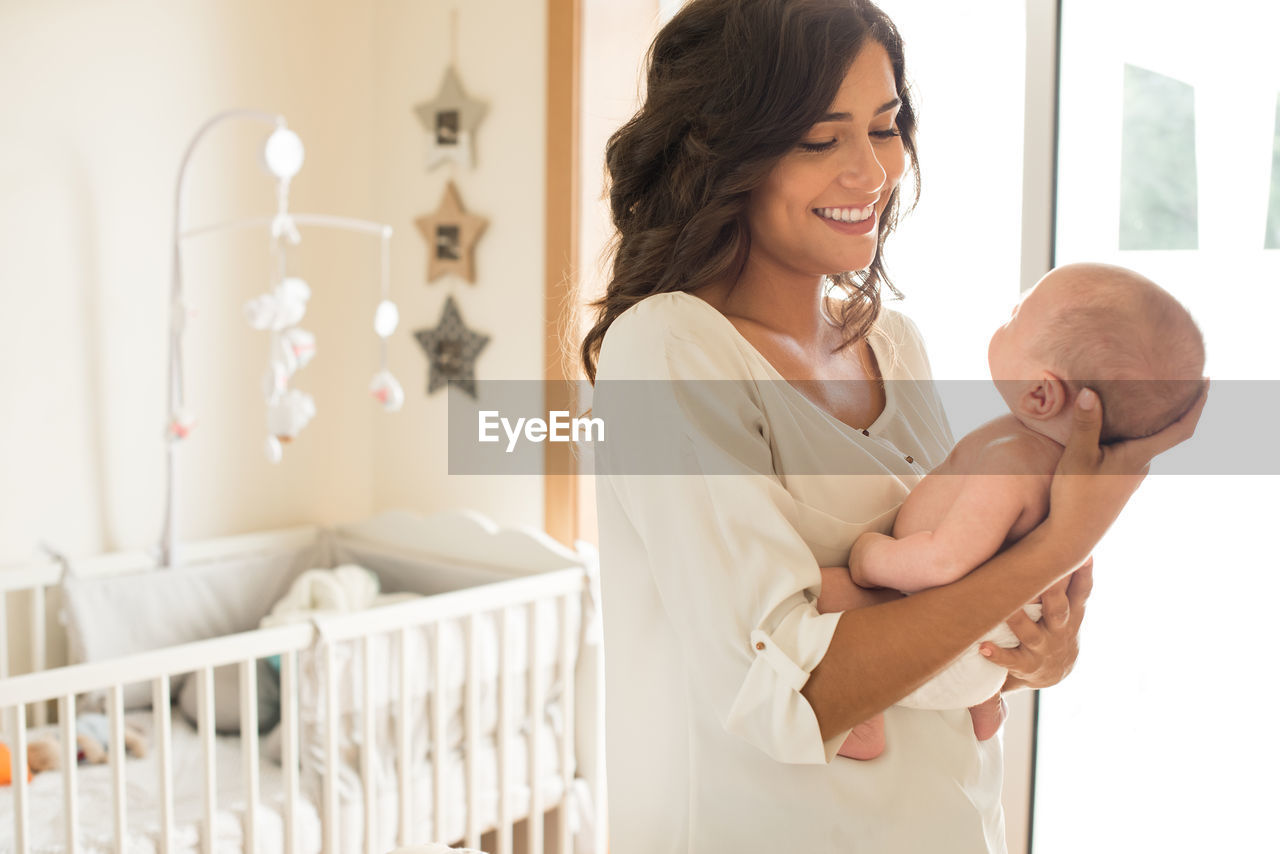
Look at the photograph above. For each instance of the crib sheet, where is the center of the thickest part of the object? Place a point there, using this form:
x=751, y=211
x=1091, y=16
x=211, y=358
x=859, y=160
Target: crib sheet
x=95, y=804
x=142, y=782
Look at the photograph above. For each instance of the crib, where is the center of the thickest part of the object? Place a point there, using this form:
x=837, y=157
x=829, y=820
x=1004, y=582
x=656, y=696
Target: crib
x=467, y=713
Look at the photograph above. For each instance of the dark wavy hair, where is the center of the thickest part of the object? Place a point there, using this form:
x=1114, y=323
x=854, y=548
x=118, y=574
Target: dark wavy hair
x=732, y=86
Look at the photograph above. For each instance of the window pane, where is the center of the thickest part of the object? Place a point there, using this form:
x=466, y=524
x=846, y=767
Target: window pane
x=1273, y=209
x=1157, y=162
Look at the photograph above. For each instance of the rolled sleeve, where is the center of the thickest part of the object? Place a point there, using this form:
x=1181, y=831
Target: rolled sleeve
x=769, y=708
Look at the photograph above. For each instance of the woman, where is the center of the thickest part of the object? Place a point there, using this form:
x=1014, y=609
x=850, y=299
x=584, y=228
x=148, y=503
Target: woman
x=763, y=165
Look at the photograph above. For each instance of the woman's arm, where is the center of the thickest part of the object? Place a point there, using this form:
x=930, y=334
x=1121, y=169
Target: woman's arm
x=880, y=654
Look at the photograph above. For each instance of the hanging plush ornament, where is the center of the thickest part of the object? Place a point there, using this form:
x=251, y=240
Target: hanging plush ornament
x=281, y=307
x=180, y=425
x=384, y=387
x=289, y=413
x=451, y=350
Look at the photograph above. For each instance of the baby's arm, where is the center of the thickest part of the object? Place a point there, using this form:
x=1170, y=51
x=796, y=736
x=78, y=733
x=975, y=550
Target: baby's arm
x=974, y=529
x=839, y=593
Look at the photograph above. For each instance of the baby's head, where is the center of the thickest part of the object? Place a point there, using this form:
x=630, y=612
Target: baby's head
x=1107, y=328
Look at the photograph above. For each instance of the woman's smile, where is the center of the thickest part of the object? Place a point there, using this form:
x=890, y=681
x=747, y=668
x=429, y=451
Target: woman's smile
x=849, y=220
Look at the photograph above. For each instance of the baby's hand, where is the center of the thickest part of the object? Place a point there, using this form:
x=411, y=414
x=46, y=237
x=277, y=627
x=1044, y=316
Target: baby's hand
x=858, y=557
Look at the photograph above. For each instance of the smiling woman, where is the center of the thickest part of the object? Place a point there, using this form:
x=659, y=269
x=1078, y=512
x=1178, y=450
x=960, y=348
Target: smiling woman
x=761, y=173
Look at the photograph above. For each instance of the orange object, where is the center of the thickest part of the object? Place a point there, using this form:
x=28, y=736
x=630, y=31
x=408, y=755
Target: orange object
x=6, y=766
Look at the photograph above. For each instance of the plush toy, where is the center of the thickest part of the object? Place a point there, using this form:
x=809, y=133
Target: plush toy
x=93, y=739
x=387, y=391
x=6, y=765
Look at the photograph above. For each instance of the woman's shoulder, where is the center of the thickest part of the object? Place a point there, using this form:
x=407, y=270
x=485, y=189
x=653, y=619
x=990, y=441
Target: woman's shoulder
x=670, y=336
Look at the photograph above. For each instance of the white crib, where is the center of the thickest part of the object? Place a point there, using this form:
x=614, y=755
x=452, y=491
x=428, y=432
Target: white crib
x=469, y=716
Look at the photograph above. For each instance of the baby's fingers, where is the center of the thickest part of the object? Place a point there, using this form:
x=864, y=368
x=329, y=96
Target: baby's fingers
x=1016, y=660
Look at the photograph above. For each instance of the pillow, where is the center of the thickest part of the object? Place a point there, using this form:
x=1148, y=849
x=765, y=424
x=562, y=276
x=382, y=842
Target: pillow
x=226, y=698
x=113, y=616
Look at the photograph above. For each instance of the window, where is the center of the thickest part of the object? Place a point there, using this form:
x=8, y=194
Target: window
x=1162, y=739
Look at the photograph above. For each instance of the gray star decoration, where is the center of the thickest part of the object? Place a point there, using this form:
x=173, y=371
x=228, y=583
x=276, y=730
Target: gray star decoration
x=451, y=350
x=451, y=119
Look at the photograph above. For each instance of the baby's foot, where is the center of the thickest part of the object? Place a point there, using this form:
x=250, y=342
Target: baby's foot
x=988, y=716
x=866, y=741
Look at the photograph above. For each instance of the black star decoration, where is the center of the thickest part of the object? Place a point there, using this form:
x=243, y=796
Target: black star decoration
x=451, y=350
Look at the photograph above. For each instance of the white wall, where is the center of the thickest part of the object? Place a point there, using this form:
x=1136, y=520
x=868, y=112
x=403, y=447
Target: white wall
x=502, y=61
x=98, y=101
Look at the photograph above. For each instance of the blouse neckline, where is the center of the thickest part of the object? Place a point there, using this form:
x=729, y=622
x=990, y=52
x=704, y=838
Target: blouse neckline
x=875, y=340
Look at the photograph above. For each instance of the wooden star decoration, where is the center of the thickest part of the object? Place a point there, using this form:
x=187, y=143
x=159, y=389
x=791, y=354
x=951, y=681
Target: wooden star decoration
x=451, y=350
x=451, y=119
x=451, y=234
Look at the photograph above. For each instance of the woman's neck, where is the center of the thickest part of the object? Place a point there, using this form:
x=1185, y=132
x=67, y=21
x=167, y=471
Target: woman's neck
x=784, y=301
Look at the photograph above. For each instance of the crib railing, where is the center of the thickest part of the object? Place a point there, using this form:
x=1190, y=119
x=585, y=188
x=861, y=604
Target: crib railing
x=323, y=634
x=27, y=583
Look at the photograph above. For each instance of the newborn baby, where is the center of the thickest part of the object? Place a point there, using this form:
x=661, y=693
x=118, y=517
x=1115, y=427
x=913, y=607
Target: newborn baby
x=1092, y=325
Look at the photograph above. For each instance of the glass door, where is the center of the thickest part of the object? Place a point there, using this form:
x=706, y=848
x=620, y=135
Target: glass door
x=1169, y=163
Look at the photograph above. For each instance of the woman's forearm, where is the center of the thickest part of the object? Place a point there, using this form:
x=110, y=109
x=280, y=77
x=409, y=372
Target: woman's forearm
x=880, y=654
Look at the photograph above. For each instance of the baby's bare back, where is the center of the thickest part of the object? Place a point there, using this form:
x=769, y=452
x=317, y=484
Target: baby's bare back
x=1031, y=455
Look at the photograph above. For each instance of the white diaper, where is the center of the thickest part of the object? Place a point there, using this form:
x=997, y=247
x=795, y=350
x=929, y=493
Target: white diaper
x=971, y=678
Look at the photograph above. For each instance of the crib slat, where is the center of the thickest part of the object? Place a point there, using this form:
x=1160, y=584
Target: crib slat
x=439, y=749
x=161, y=708
x=504, y=732
x=330, y=750
x=71, y=813
x=404, y=731
x=4, y=634
x=567, y=701
x=21, y=828
x=249, y=746
x=40, y=713
x=535, y=727
x=116, y=756
x=472, y=727
x=206, y=725
x=289, y=753
x=367, y=750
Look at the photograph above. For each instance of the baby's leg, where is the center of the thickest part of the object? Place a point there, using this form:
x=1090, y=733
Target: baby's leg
x=866, y=741
x=839, y=593
x=988, y=716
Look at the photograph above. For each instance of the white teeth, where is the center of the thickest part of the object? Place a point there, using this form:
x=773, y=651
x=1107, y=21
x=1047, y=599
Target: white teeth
x=847, y=214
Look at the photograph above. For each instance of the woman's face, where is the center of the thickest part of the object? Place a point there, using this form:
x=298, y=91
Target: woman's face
x=819, y=211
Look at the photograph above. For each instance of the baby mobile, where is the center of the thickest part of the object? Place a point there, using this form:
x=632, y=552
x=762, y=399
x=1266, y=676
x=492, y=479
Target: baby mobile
x=279, y=311
x=451, y=119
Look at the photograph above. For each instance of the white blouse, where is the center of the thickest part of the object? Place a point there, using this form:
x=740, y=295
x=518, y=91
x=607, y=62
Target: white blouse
x=721, y=490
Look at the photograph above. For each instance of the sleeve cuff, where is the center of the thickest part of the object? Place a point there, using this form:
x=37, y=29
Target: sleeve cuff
x=769, y=711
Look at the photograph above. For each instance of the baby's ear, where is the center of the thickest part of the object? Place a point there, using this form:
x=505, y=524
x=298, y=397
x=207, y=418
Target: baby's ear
x=1045, y=398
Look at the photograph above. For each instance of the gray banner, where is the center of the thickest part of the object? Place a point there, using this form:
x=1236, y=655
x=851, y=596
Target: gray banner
x=520, y=427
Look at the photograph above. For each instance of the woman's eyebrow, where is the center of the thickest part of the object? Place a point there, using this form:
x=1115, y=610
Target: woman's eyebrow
x=847, y=117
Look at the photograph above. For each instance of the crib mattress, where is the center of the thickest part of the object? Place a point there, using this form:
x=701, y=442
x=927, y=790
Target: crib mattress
x=142, y=783
x=95, y=802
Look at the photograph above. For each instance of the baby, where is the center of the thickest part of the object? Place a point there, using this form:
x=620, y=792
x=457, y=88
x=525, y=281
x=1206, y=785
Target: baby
x=1092, y=325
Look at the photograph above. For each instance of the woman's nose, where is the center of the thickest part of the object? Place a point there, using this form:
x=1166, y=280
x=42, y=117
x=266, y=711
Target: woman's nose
x=862, y=170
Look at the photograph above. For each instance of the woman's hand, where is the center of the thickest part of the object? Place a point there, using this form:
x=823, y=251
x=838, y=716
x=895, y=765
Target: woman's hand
x=1081, y=509
x=1047, y=649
